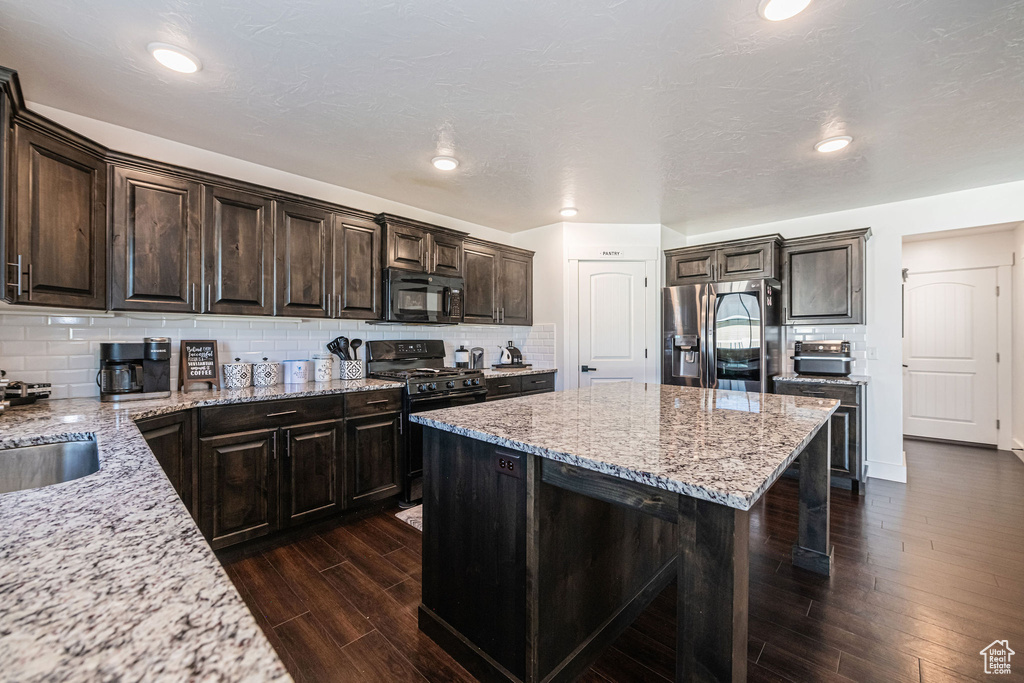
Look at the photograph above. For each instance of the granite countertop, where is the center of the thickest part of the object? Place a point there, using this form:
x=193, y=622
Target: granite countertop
x=519, y=372
x=107, y=577
x=724, y=446
x=851, y=380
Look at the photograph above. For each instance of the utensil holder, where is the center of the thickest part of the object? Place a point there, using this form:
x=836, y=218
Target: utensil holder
x=351, y=369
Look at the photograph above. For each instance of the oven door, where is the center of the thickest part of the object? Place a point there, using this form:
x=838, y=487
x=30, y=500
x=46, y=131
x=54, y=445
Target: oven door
x=414, y=434
x=413, y=298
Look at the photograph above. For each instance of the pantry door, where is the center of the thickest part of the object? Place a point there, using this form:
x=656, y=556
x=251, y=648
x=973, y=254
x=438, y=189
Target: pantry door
x=949, y=354
x=612, y=321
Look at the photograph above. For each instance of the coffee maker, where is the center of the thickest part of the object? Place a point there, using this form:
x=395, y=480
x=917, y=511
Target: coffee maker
x=132, y=371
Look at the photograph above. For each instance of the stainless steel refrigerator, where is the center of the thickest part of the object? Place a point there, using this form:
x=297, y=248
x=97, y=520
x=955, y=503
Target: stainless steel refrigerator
x=724, y=335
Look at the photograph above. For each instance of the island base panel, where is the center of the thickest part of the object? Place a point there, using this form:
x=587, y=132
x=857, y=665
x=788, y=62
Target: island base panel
x=813, y=550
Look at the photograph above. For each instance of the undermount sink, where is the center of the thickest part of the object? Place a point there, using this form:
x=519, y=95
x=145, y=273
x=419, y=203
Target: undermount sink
x=30, y=467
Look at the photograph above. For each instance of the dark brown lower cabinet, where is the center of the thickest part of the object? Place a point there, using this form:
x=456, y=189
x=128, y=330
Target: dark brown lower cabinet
x=373, y=457
x=501, y=387
x=312, y=467
x=238, y=486
x=170, y=439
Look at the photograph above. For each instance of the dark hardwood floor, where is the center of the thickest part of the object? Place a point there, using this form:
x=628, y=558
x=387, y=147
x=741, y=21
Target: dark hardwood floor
x=927, y=574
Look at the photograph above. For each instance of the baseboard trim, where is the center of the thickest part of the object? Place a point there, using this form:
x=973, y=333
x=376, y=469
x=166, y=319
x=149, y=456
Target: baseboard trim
x=951, y=442
x=1018, y=445
x=887, y=470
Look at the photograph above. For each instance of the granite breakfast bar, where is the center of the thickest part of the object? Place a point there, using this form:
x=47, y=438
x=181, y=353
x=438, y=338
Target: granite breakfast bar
x=551, y=521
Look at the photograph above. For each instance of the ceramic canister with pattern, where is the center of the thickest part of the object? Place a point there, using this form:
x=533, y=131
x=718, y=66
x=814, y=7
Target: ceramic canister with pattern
x=237, y=375
x=323, y=367
x=351, y=369
x=266, y=373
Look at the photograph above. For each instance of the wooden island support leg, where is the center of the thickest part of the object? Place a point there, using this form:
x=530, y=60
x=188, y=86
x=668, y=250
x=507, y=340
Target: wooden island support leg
x=812, y=550
x=713, y=586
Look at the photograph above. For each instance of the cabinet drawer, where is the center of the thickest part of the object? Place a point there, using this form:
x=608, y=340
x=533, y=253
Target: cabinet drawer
x=373, y=402
x=536, y=384
x=269, y=414
x=503, y=387
x=846, y=395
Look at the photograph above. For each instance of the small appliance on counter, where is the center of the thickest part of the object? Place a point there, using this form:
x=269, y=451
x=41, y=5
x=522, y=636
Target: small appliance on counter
x=829, y=358
x=476, y=358
x=511, y=359
x=15, y=393
x=461, y=357
x=132, y=371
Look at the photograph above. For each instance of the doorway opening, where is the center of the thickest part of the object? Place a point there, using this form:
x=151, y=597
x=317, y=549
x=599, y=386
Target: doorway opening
x=958, y=335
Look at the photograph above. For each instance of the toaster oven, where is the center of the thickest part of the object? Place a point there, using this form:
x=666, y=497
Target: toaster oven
x=831, y=358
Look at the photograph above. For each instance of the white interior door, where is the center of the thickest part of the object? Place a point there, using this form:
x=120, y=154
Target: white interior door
x=613, y=321
x=949, y=348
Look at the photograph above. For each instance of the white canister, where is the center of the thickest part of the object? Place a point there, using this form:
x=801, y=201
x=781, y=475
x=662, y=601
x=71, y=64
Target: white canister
x=266, y=373
x=323, y=367
x=237, y=375
x=296, y=371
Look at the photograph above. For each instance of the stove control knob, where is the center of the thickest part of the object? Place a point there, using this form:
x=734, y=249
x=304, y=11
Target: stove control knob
x=421, y=388
x=467, y=382
x=476, y=382
x=433, y=386
x=450, y=385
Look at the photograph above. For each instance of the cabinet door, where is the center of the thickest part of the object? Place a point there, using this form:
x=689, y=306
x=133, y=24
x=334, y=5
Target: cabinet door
x=155, y=243
x=823, y=283
x=170, y=439
x=238, y=486
x=691, y=267
x=355, y=269
x=238, y=239
x=480, y=265
x=301, y=236
x=845, y=436
x=746, y=262
x=313, y=484
x=408, y=248
x=516, y=287
x=446, y=255
x=538, y=384
x=372, y=455
x=60, y=223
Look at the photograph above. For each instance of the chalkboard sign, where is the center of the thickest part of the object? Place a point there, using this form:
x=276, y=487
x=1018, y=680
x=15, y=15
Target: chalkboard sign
x=198, y=363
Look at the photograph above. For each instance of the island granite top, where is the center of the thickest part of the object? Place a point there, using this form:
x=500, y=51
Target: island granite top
x=727, y=447
x=107, y=577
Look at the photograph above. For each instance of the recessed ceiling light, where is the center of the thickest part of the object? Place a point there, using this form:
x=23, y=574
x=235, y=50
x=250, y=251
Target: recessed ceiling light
x=445, y=163
x=833, y=144
x=569, y=211
x=779, y=10
x=175, y=58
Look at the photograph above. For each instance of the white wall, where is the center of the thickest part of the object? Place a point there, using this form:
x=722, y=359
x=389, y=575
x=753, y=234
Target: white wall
x=548, y=284
x=962, y=252
x=131, y=141
x=1018, y=337
x=889, y=223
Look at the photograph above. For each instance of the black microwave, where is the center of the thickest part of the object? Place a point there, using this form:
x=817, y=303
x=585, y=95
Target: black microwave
x=421, y=298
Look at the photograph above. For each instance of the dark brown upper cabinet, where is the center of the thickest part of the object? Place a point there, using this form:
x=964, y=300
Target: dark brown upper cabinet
x=823, y=279
x=480, y=265
x=238, y=242
x=516, y=275
x=421, y=247
x=58, y=233
x=355, y=268
x=155, y=243
x=303, y=282
x=446, y=255
x=751, y=259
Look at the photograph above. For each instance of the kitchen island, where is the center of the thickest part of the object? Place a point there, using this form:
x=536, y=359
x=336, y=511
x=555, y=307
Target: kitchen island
x=552, y=521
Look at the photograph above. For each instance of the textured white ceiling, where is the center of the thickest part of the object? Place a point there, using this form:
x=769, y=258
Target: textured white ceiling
x=684, y=112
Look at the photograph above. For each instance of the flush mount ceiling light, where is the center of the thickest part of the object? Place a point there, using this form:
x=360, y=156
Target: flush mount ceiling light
x=569, y=211
x=833, y=144
x=175, y=58
x=780, y=10
x=445, y=163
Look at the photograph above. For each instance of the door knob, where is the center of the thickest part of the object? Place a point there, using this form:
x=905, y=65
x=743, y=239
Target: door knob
x=587, y=368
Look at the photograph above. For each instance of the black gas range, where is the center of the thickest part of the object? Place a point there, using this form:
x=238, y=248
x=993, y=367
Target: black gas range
x=429, y=385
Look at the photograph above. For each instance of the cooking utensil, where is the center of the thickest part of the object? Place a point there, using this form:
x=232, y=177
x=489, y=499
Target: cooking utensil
x=339, y=347
x=356, y=343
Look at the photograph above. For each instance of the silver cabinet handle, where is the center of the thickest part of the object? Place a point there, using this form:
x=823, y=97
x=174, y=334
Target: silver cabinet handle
x=283, y=412
x=30, y=282
x=287, y=443
x=337, y=311
x=17, y=274
x=193, y=297
x=376, y=403
x=273, y=447
x=209, y=297
x=502, y=315
x=504, y=386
